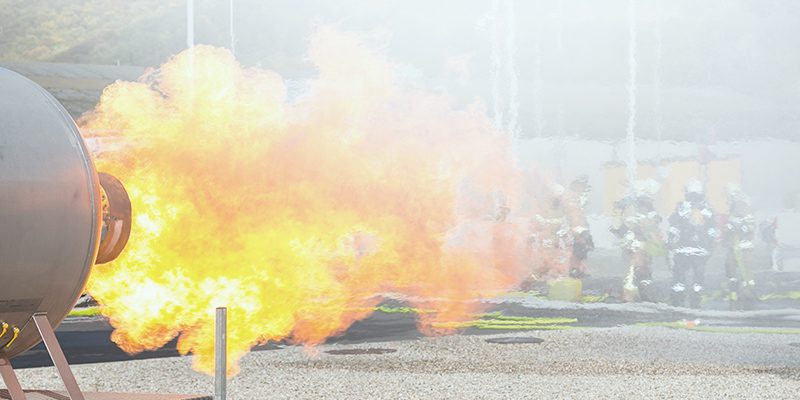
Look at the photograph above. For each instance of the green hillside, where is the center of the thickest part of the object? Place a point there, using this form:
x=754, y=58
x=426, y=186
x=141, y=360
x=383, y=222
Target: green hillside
x=57, y=29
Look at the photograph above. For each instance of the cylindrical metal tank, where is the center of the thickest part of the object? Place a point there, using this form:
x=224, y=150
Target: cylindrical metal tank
x=53, y=211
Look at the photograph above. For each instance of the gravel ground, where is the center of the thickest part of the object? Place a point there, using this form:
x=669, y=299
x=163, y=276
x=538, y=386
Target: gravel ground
x=621, y=362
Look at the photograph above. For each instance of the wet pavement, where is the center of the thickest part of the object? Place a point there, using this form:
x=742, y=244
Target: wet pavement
x=87, y=340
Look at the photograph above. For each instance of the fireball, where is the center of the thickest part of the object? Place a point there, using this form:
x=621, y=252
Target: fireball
x=299, y=212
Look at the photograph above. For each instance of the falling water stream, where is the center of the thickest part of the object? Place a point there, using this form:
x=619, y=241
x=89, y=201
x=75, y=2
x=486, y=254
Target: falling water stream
x=538, y=98
x=233, y=32
x=190, y=33
x=511, y=69
x=504, y=77
x=630, y=137
x=558, y=145
x=496, y=68
x=189, y=24
x=659, y=118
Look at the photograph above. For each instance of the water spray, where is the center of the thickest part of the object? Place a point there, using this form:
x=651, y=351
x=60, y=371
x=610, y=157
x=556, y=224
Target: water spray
x=511, y=70
x=233, y=32
x=631, y=129
x=496, y=67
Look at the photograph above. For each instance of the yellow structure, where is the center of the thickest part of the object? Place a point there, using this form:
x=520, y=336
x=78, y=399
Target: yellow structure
x=565, y=289
x=672, y=175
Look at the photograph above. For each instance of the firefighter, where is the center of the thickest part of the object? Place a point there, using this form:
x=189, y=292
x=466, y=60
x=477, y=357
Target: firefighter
x=738, y=236
x=582, y=242
x=636, y=225
x=691, y=237
x=550, y=236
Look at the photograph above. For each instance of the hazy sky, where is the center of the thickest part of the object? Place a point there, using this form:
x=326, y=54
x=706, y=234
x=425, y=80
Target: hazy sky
x=724, y=68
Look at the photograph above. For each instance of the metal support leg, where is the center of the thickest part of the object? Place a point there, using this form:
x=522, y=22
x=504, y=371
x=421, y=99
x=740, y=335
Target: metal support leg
x=220, y=354
x=57, y=355
x=10, y=379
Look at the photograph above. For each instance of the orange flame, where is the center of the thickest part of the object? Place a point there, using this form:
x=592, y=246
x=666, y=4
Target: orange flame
x=297, y=215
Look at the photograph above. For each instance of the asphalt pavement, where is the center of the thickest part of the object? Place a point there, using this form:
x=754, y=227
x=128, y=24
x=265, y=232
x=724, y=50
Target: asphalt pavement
x=87, y=339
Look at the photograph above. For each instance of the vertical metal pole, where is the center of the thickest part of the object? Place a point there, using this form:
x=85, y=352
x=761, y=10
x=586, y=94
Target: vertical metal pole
x=57, y=355
x=10, y=379
x=220, y=354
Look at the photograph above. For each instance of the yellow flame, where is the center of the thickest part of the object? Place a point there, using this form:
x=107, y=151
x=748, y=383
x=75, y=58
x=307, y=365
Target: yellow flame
x=296, y=214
